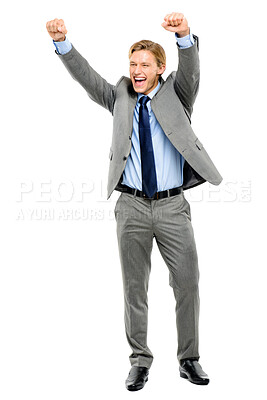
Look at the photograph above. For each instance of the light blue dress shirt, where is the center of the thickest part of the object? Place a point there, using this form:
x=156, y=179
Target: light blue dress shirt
x=168, y=161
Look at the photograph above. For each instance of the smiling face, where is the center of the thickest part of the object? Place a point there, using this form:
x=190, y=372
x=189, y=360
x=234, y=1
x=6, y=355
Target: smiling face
x=144, y=71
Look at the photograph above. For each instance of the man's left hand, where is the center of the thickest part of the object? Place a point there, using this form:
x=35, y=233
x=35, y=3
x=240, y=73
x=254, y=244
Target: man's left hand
x=176, y=22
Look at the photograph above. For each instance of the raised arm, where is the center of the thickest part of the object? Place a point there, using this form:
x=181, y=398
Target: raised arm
x=97, y=88
x=187, y=77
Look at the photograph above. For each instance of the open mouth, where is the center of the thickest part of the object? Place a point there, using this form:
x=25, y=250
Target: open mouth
x=139, y=82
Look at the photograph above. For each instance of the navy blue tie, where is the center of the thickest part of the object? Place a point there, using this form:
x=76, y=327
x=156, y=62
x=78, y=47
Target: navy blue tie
x=149, y=179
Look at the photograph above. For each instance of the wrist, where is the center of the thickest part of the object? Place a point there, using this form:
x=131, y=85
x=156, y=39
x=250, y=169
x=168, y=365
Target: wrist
x=61, y=39
x=183, y=33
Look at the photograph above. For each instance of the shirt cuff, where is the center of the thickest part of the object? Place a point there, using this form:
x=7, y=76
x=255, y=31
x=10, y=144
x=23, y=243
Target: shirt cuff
x=186, y=41
x=63, y=47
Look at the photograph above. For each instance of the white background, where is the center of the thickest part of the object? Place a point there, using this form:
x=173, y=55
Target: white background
x=62, y=331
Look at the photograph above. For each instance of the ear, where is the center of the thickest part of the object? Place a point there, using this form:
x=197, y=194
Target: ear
x=161, y=69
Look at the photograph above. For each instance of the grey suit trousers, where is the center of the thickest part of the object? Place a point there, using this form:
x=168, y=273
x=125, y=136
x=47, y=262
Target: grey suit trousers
x=169, y=222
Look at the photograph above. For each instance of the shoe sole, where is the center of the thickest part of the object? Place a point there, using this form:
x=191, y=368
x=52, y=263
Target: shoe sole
x=135, y=388
x=204, y=382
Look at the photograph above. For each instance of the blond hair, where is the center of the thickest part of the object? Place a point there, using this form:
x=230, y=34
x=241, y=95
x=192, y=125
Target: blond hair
x=155, y=48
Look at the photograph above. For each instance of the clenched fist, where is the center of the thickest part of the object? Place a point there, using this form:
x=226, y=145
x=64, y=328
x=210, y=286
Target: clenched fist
x=56, y=29
x=176, y=22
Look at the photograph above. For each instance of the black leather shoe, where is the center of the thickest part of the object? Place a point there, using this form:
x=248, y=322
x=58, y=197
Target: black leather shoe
x=137, y=378
x=191, y=370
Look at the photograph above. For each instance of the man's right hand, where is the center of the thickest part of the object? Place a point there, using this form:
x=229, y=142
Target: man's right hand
x=56, y=29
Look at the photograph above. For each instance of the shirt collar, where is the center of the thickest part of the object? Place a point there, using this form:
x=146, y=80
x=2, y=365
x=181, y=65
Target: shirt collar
x=151, y=94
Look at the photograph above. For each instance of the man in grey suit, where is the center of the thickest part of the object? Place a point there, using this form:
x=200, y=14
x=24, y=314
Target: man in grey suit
x=154, y=157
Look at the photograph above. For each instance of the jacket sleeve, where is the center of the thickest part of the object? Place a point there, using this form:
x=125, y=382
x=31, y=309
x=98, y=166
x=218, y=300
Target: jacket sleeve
x=186, y=82
x=97, y=88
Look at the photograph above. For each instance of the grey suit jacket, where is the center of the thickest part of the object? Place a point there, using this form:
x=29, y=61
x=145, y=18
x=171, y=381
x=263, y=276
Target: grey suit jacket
x=172, y=106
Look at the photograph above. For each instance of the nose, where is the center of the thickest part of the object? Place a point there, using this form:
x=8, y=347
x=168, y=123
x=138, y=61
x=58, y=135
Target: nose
x=138, y=69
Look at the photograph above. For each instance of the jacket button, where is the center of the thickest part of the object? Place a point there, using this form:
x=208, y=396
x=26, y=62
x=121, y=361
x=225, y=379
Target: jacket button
x=130, y=138
x=125, y=158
